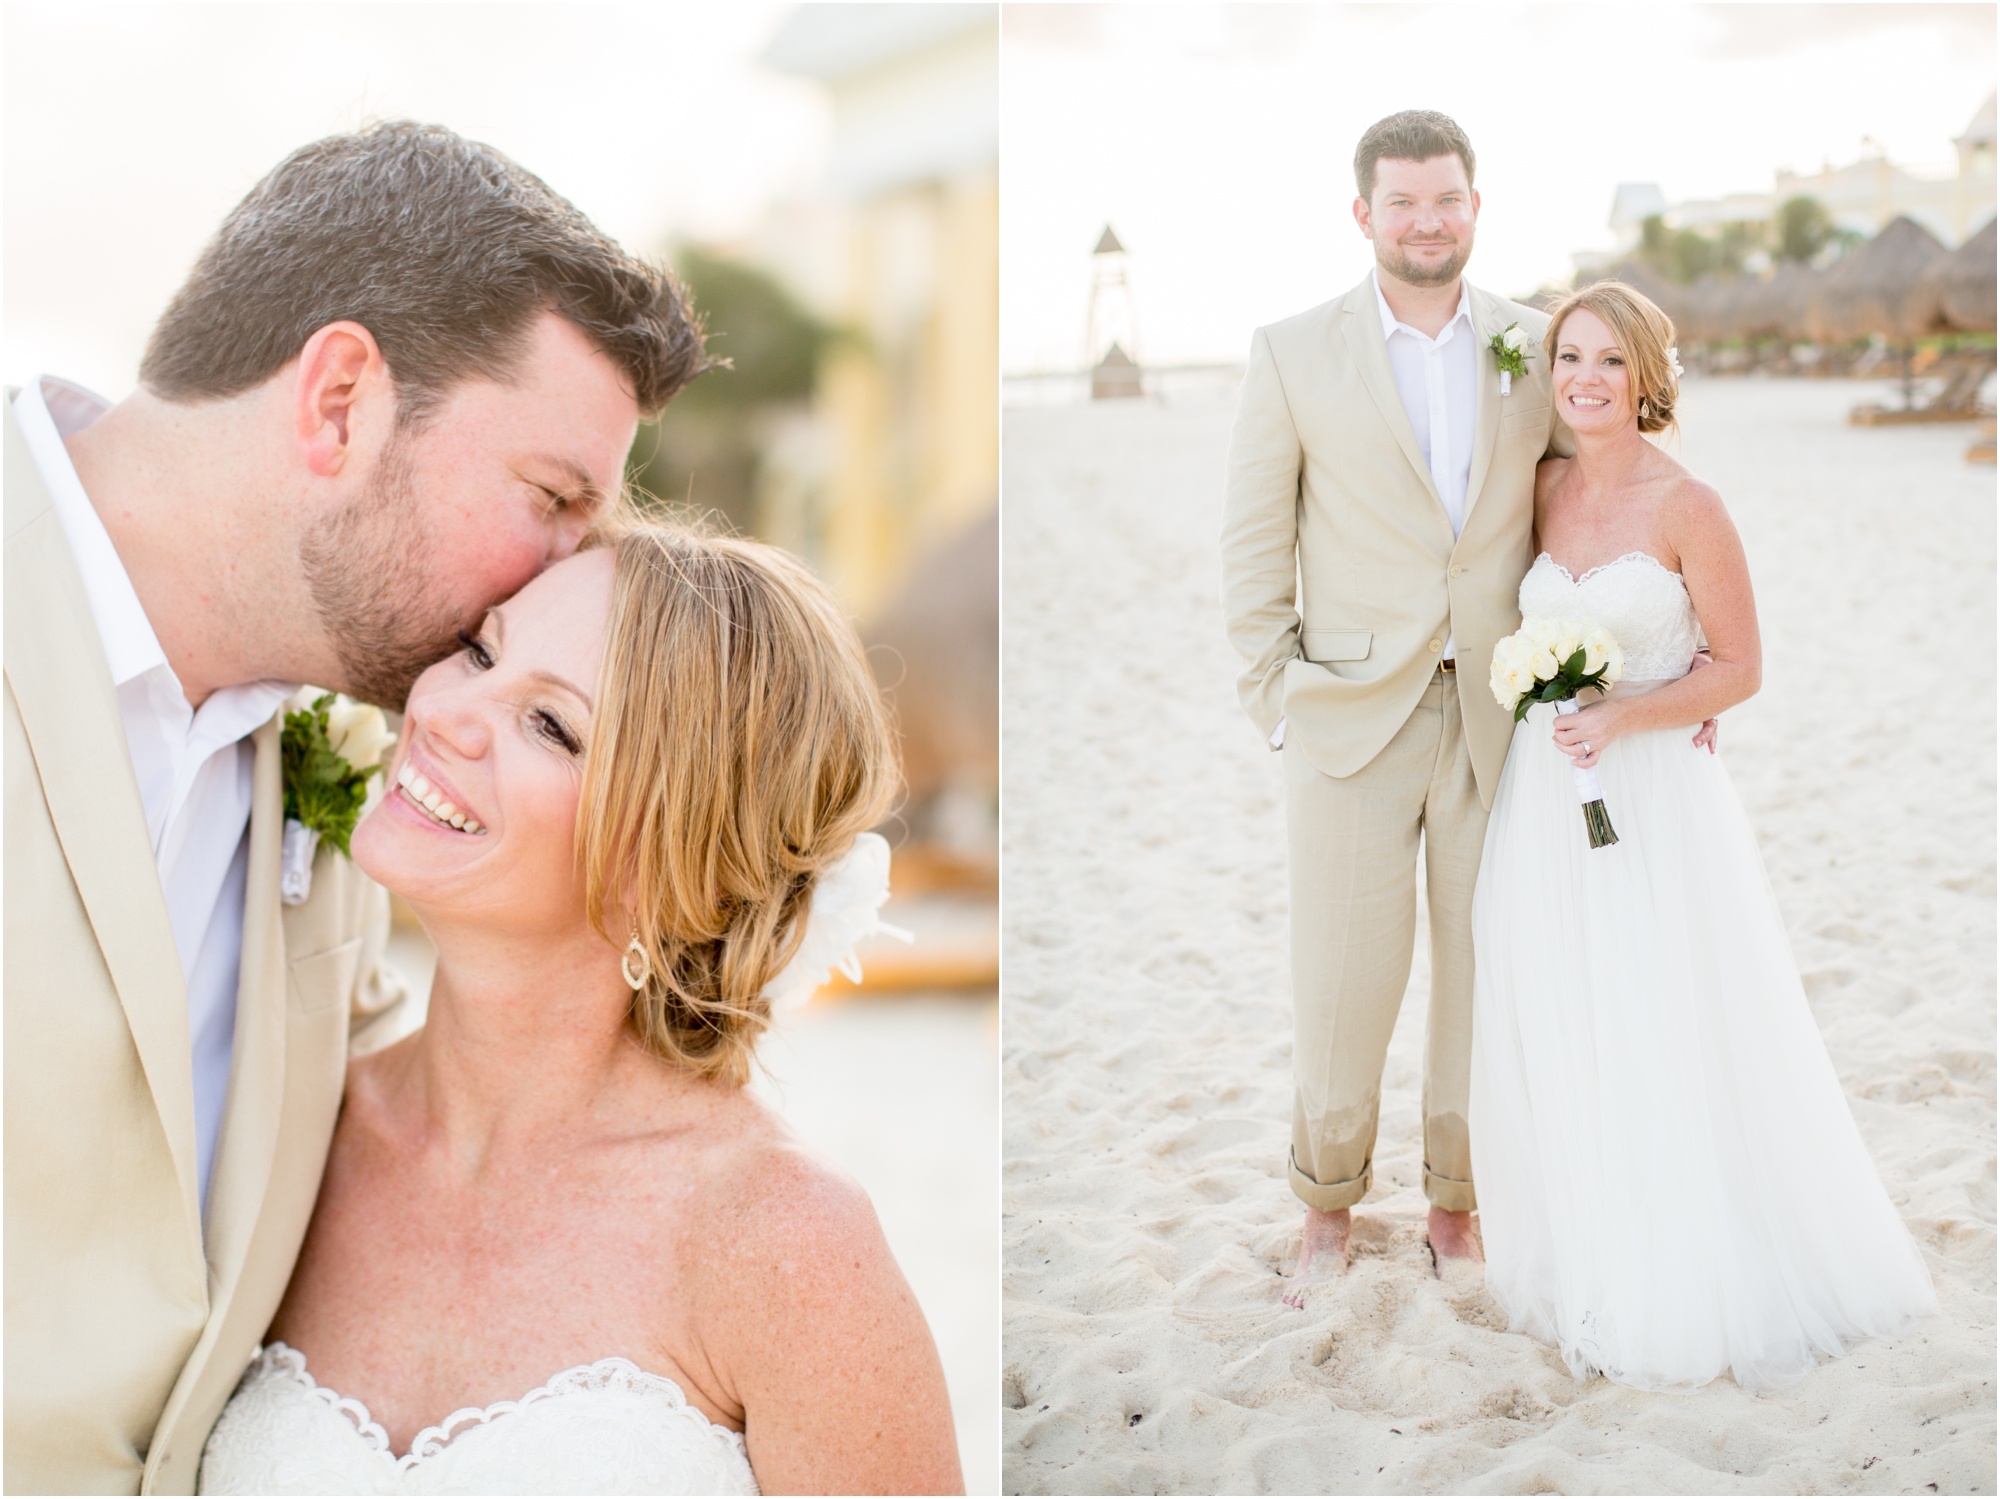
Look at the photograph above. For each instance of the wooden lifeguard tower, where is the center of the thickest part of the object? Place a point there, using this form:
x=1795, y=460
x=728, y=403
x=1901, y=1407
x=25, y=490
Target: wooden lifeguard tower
x=1110, y=330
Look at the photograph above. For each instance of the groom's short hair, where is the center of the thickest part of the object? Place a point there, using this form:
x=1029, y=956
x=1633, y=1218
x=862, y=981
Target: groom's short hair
x=442, y=248
x=1413, y=135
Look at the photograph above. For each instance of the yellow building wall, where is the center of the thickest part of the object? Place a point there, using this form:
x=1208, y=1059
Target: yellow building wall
x=914, y=400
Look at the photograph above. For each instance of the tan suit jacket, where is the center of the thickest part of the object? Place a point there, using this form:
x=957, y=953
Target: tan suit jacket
x=1341, y=577
x=126, y=1326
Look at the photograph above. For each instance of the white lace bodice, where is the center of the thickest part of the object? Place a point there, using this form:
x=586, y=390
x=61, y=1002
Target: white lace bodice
x=1644, y=606
x=605, y=1428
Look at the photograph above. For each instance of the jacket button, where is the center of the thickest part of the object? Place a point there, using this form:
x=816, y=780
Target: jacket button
x=1437, y=645
x=1456, y=569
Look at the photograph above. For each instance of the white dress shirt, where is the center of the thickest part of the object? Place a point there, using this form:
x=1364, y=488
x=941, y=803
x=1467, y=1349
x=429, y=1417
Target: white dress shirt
x=1438, y=381
x=193, y=766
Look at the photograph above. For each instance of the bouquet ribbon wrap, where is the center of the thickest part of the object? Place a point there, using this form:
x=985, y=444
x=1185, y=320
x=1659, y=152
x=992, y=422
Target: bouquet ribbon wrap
x=1595, y=819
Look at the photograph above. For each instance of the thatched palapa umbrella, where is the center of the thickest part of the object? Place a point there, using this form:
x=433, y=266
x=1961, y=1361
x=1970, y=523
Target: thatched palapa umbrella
x=1957, y=292
x=1677, y=302
x=1701, y=315
x=1729, y=308
x=1643, y=279
x=1755, y=308
x=1785, y=300
x=1870, y=291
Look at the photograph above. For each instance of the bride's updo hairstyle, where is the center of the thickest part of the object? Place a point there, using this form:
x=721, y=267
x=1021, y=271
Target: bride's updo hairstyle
x=738, y=746
x=1645, y=336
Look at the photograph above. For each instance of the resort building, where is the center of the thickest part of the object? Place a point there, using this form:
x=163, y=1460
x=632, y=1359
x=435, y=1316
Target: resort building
x=1861, y=197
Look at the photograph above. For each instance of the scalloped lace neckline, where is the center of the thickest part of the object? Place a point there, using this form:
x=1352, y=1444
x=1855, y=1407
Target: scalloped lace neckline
x=432, y=1441
x=1591, y=572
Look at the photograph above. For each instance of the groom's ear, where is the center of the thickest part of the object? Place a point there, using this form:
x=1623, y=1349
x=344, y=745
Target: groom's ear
x=342, y=396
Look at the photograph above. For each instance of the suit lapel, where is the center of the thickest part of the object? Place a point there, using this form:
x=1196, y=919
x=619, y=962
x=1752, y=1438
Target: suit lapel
x=1486, y=321
x=69, y=709
x=249, y=1138
x=1361, y=327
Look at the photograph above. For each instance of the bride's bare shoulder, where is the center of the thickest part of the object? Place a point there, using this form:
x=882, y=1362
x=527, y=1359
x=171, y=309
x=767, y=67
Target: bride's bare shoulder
x=790, y=1251
x=765, y=1186
x=1686, y=498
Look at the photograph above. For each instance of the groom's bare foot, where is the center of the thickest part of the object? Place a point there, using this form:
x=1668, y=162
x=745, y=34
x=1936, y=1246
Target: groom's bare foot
x=1322, y=1254
x=1454, y=1237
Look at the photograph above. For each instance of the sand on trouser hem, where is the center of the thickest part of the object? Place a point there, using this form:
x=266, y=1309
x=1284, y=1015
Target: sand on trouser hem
x=1146, y=1018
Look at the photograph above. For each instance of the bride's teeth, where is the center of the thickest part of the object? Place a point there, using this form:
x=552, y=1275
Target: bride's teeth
x=432, y=800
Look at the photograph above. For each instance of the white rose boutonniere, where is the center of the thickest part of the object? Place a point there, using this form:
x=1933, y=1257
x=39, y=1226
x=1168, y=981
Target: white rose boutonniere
x=331, y=748
x=1510, y=352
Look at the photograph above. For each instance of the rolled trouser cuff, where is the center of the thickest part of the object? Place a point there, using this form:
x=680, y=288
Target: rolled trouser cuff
x=1443, y=1192
x=1330, y=1199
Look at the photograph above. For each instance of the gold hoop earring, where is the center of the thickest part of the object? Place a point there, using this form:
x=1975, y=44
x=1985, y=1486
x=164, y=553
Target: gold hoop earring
x=636, y=948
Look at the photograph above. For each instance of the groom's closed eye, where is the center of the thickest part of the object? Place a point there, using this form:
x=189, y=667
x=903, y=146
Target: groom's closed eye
x=568, y=485
x=476, y=653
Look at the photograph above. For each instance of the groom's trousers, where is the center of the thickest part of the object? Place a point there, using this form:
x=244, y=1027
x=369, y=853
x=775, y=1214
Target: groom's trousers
x=1353, y=855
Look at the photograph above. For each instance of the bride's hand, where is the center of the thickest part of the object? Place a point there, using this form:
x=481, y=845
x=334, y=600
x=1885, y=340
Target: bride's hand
x=1584, y=734
x=1704, y=737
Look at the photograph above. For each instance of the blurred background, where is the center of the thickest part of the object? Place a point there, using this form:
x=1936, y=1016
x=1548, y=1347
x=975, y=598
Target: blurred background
x=825, y=178
x=1807, y=189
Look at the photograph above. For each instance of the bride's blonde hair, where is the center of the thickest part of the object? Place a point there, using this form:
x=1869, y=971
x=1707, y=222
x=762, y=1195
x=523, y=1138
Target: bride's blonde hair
x=739, y=744
x=1645, y=336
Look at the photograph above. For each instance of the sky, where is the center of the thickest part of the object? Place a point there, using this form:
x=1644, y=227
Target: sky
x=130, y=130
x=1218, y=140
x=1214, y=138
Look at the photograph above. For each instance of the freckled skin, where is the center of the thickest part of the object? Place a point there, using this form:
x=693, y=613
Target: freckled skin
x=520, y=1188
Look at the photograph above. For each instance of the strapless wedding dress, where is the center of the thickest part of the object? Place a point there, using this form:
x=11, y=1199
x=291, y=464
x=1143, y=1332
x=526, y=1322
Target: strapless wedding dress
x=606, y=1428
x=1670, y=1183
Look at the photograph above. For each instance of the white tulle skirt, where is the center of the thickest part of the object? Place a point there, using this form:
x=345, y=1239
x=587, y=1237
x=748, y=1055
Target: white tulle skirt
x=1670, y=1183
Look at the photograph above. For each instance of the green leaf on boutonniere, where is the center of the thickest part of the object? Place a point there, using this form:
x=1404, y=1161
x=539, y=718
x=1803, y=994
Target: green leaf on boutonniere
x=1509, y=348
x=322, y=790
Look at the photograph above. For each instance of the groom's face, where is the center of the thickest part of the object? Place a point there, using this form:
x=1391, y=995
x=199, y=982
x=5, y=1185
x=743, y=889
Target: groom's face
x=501, y=481
x=1420, y=217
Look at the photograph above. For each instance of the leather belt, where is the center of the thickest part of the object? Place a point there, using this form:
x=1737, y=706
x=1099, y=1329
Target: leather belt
x=1451, y=666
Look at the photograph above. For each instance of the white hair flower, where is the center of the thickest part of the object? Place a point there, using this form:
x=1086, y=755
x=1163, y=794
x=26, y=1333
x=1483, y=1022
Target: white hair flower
x=1674, y=362
x=846, y=906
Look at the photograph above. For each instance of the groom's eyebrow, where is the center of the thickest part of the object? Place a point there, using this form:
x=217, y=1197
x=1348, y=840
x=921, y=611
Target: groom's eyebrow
x=581, y=487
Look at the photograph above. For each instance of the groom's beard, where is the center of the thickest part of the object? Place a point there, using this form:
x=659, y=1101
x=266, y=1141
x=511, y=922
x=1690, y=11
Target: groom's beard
x=1412, y=272
x=365, y=566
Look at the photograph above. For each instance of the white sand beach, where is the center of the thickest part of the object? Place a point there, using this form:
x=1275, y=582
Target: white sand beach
x=1146, y=1020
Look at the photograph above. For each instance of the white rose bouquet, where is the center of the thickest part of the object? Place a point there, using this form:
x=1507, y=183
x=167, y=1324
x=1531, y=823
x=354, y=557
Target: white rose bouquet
x=1551, y=661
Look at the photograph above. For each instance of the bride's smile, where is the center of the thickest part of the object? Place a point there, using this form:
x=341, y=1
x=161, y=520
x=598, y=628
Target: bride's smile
x=439, y=806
